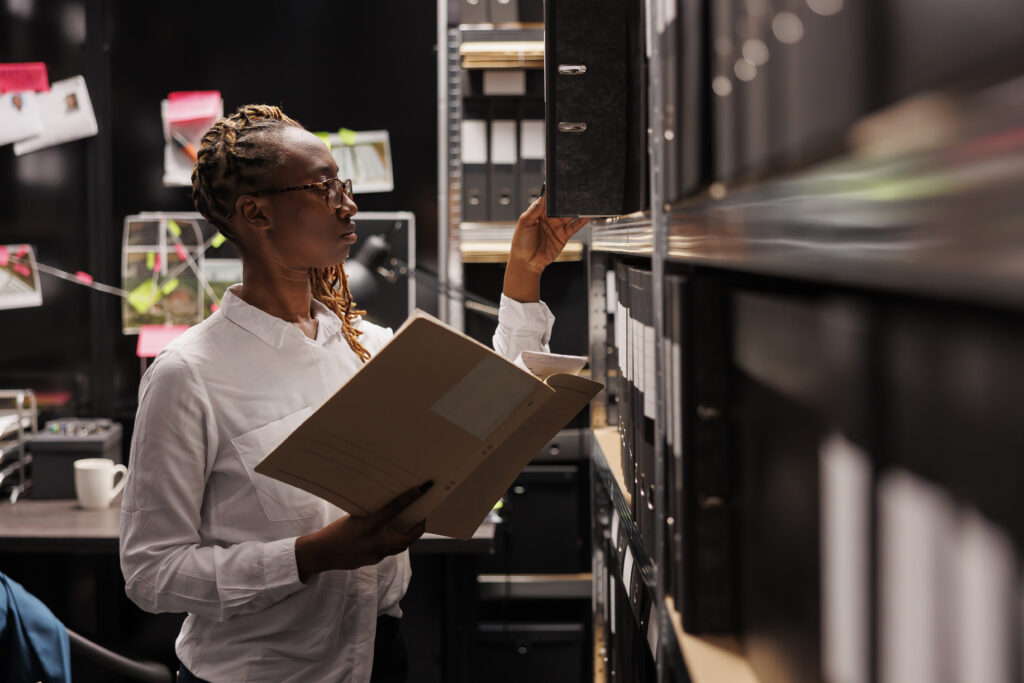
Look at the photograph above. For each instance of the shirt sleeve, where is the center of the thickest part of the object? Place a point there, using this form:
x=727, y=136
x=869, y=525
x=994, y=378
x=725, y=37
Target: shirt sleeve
x=165, y=566
x=522, y=327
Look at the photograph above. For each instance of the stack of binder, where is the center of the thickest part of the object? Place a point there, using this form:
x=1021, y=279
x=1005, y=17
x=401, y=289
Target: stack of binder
x=635, y=344
x=502, y=164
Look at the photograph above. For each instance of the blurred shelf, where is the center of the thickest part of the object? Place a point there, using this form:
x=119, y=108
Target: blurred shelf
x=710, y=659
x=535, y=586
x=514, y=52
x=497, y=252
x=490, y=243
x=631, y=234
x=609, y=442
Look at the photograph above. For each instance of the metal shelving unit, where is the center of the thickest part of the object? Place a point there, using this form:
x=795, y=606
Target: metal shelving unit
x=18, y=425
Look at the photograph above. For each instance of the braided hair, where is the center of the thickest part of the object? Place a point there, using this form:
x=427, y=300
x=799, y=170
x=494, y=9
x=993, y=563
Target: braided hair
x=236, y=155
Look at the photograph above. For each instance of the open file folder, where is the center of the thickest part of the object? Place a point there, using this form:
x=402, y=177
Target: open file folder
x=433, y=404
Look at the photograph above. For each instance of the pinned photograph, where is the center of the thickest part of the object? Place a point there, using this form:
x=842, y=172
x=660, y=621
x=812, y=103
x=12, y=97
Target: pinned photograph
x=66, y=115
x=19, y=277
x=19, y=116
x=365, y=157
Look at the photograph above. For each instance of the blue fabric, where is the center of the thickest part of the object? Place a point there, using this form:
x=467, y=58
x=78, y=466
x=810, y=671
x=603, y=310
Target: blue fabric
x=33, y=643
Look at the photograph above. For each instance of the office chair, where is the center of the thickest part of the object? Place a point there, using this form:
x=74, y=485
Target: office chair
x=31, y=636
x=146, y=671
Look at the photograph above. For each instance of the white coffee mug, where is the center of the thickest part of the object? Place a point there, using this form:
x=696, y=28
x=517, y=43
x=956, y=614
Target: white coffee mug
x=94, y=482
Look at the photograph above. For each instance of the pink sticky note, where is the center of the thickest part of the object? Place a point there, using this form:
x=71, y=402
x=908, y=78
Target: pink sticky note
x=192, y=105
x=22, y=269
x=24, y=76
x=5, y=256
x=214, y=308
x=153, y=338
x=22, y=250
x=156, y=263
x=181, y=251
x=83, y=277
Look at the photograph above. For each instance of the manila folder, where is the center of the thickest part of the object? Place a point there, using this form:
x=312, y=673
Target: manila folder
x=432, y=405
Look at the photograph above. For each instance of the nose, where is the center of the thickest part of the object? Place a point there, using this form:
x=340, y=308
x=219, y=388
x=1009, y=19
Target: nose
x=348, y=206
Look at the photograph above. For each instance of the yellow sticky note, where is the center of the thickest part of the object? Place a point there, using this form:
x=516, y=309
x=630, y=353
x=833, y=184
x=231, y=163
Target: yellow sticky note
x=169, y=286
x=325, y=138
x=150, y=260
x=217, y=240
x=173, y=227
x=347, y=136
x=144, y=296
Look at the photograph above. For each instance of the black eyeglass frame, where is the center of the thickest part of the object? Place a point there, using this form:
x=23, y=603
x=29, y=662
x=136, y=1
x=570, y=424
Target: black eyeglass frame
x=322, y=185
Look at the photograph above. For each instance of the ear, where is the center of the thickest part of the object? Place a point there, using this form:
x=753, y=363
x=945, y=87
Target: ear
x=251, y=211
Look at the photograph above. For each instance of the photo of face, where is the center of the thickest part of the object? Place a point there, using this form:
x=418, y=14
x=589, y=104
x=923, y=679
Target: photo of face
x=17, y=102
x=70, y=103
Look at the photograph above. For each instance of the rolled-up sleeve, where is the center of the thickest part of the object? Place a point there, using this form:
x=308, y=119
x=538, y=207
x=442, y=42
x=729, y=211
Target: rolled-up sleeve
x=522, y=327
x=165, y=566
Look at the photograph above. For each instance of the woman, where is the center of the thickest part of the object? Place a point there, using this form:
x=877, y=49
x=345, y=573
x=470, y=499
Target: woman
x=279, y=584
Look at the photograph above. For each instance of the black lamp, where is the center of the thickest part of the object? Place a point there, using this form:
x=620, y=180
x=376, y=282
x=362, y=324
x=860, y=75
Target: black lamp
x=373, y=261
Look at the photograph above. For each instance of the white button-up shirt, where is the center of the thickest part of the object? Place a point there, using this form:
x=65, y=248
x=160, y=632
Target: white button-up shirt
x=204, y=534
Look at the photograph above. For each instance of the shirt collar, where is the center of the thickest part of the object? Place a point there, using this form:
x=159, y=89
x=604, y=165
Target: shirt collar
x=273, y=330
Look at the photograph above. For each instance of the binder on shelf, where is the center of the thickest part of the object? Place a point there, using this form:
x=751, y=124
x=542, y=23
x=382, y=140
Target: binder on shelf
x=531, y=160
x=647, y=408
x=674, y=315
x=595, y=98
x=637, y=301
x=709, y=591
x=503, y=11
x=623, y=335
x=474, y=147
x=504, y=163
x=474, y=12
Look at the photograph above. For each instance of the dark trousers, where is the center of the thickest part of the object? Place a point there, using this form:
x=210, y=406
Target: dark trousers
x=390, y=658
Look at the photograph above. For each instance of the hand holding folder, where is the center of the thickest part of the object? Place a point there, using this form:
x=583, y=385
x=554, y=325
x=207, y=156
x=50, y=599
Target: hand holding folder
x=432, y=405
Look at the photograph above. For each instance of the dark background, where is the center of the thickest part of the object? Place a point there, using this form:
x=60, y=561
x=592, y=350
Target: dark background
x=328, y=64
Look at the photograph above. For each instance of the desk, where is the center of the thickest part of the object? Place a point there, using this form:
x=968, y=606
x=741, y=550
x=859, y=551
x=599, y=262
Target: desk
x=62, y=526
x=440, y=607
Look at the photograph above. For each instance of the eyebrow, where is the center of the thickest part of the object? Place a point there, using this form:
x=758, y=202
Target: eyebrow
x=324, y=170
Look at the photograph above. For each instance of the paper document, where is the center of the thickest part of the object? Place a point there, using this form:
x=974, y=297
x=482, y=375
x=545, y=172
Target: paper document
x=543, y=365
x=432, y=405
x=67, y=115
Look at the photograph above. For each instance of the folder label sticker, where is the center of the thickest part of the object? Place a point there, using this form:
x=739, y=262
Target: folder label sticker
x=483, y=398
x=474, y=142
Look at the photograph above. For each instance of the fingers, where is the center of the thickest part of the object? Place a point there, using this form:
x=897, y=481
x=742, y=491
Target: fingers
x=400, y=502
x=535, y=211
x=400, y=540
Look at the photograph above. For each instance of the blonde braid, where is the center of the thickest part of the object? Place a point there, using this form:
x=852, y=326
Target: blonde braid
x=330, y=287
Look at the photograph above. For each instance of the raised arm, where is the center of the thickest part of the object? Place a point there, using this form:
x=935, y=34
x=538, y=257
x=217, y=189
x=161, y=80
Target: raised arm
x=524, y=321
x=536, y=243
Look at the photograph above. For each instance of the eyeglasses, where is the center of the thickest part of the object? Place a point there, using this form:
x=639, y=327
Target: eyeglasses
x=334, y=189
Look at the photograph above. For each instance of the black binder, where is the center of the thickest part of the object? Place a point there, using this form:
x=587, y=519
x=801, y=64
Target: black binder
x=503, y=11
x=474, y=11
x=475, y=192
x=595, y=95
x=504, y=195
x=531, y=160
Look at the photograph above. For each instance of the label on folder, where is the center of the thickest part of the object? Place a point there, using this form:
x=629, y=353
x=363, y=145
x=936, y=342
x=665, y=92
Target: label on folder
x=26, y=76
